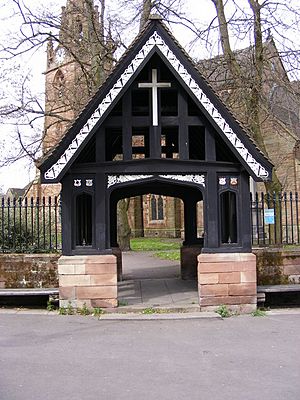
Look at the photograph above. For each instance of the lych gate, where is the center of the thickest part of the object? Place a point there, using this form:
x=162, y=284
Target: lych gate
x=156, y=126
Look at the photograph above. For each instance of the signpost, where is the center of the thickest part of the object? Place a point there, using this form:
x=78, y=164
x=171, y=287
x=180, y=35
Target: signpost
x=269, y=216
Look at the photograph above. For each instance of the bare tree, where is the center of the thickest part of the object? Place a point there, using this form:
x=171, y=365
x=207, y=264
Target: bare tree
x=91, y=51
x=248, y=70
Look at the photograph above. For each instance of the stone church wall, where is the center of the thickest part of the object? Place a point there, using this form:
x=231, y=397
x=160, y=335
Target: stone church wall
x=168, y=227
x=172, y=226
x=37, y=190
x=280, y=145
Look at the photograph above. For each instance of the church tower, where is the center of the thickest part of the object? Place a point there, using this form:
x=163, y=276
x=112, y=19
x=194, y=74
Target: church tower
x=75, y=67
x=78, y=61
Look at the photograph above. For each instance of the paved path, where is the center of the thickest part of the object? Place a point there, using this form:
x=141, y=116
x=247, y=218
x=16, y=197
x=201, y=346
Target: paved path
x=143, y=265
x=151, y=282
x=82, y=358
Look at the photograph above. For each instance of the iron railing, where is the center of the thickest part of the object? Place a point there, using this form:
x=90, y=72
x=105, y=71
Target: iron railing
x=34, y=225
x=30, y=225
x=275, y=219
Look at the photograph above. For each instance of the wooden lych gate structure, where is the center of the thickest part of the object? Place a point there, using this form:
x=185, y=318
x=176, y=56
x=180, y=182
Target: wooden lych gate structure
x=156, y=126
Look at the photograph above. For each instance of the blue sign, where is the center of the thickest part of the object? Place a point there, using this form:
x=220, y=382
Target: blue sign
x=269, y=216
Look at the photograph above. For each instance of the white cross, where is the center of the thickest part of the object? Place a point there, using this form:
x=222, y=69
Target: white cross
x=154, y=85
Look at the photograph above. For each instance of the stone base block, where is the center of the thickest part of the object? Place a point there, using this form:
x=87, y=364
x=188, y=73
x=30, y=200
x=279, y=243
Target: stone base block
x=118, y=253
x=188, y=261
x=227, y=279
x=88, y=280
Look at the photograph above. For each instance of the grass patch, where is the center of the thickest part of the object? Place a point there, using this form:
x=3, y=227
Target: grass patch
x=223, y=311
x=154, y=244
x=84, y=310
x=151, y=310
x=97, y=312
x=122, y=303
x=259, y=313
x=50, y=306
x=173, y=255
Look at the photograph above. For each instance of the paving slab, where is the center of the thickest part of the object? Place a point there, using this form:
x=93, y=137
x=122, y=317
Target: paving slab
x=149, y=281
x=143, y=265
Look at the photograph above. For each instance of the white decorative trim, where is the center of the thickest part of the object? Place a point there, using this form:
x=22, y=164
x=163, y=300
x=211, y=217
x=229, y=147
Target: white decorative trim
x=117, y=179
x=234, y=181
x=77, y=182
x=222, y=181
x=156, y=40
x=198, y=179
x=89, y=182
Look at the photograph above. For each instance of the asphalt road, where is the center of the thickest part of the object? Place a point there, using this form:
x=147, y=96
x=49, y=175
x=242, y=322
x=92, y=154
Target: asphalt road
x=82, y=358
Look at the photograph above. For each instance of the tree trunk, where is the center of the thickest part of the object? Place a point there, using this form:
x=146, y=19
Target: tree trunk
x=225, y=42
x=146, y=11
x=252, y=98
x=124, y=230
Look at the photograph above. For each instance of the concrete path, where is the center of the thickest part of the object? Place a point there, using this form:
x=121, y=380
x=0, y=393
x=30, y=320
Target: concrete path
x=143, y=265
x=151, y=282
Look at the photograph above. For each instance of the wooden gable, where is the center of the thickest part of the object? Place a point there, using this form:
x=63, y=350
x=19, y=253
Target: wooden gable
x=124, y=109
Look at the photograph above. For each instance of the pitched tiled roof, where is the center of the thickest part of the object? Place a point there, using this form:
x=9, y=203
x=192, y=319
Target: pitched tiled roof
x=15, y=192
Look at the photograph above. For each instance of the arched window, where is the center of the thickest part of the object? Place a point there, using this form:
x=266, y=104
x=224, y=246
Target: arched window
x=84, y=222
x=59, y=83
x=160, y=208
x=228, y=211
x=153, y=207
x=157, y=207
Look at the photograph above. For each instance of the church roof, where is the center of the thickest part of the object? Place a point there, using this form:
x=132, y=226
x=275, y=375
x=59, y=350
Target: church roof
x=155, y=37
x=15, y=192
